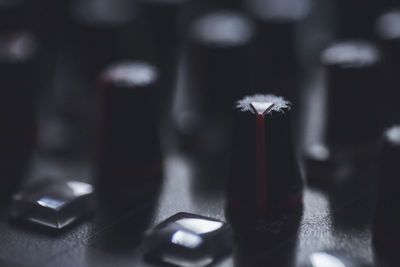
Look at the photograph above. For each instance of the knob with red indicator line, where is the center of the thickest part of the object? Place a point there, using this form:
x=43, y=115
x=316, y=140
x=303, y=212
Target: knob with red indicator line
x=264, y=178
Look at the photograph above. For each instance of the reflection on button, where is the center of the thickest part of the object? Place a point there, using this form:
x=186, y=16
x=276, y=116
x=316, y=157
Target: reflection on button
x=188, y=240
x=199, y=226
x=323, y=259
x=53, y=204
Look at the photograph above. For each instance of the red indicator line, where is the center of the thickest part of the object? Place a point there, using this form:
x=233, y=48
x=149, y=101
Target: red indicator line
x=261, y=109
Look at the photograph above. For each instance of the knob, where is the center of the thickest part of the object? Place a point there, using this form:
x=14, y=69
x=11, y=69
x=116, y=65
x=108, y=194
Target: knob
x=264, y=179
x=100, y=30
x=349, y=26
x=216, y=71
x=276, y=59
x=385, y=228
x=164, y=22
x=218, y=58
x=164, y=19
x=50, y=20
x=18, y=70
x=13, y=14
x=353, y=76
x=128, y=145
x=352, y=73
x=387, y=31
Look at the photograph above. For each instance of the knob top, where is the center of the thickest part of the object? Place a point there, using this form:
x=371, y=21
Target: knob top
x=392, y=135
x=388, y=25
x=264, y=176
x=17, y=47
x=280, y=11
x=223, y=29
x=10, y=3
x=351, y=54
x=263, y=103
x=131, y=74
x=163, y=2
x=103, y=13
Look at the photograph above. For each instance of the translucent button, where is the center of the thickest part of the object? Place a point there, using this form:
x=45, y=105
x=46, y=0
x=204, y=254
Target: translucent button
x=333, y=259
x=53, y=204
x=188, y=240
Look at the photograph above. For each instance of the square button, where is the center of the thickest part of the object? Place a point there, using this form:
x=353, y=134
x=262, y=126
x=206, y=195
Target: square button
x=53, y=204
x=332, y=259
x=187, y=239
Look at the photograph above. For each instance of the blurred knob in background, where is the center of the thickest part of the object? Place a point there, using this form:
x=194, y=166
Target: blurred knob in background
x=50, y=20
x=277, y=61
x=353, y=72
x=98, y=33
x=217, y=71
x=129, y=162
x=231, y=4
x=18, y=69
x=13, y=14
x=264, y=179
x=387, y=31
x=165, y=22
x=386, y=232
x=355, y=18
x=100, y=29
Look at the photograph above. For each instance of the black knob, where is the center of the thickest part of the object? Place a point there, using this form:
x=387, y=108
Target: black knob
x=387, y=218
x=129, y=153
x=360, y=26
x=353, y=79
x=231, y=4
x=164, y=22
x=18, y=79
x=50, y=20
x=264, y=177
x=13, y=14
x=277, y=62
x=352, y=126
x=216, y=72
x=217, y=64
x=100, y=31
x=387, y=30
